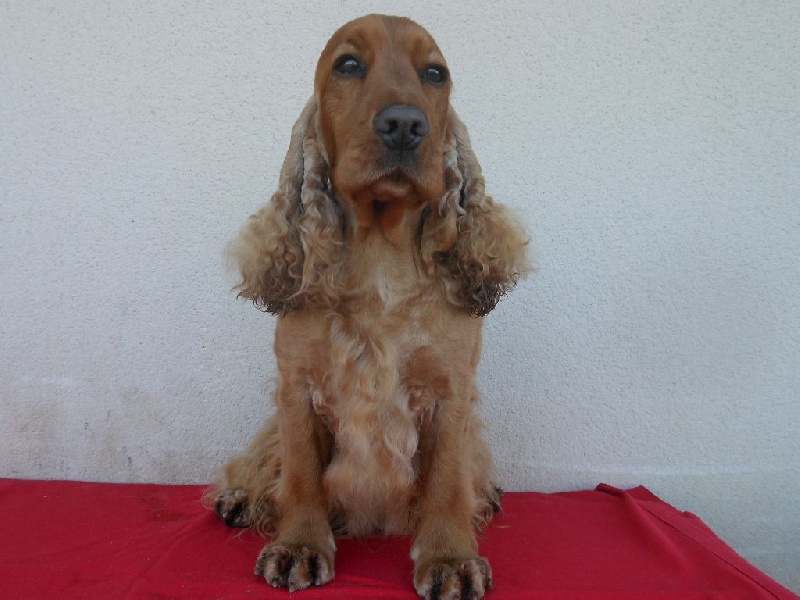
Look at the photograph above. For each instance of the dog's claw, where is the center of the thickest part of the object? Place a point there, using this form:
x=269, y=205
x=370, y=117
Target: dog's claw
x=464, y=580
x=232, y=507
x=293, y=567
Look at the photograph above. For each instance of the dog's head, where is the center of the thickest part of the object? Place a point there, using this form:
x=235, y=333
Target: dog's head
x=379, y=140
x=383, y=92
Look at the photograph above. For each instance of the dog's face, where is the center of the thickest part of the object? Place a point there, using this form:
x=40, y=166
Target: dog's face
x=383, y=90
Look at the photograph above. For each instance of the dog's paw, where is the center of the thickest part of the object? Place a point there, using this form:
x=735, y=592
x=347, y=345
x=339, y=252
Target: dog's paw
x=233, y=508
x=295, y=567
x=454, y=580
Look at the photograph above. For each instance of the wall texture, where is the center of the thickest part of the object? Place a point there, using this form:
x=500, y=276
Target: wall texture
x=652, y=147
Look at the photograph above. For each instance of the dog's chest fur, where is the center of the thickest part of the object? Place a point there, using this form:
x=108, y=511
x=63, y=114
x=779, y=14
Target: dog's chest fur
x=375, y=368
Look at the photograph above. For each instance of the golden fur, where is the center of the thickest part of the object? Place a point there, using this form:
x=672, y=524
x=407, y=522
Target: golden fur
x=380, y=264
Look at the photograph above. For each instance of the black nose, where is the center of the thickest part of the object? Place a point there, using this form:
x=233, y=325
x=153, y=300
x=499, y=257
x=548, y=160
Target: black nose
x=401, y=127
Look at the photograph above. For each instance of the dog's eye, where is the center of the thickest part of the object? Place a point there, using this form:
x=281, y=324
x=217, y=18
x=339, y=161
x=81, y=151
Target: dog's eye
x=349, y=66
x=434, y=74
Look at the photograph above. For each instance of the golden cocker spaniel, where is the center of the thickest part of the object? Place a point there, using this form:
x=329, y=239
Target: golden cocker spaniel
x=381, y=253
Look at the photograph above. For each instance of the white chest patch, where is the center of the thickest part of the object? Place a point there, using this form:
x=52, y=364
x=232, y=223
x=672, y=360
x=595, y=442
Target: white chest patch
x=366, y=404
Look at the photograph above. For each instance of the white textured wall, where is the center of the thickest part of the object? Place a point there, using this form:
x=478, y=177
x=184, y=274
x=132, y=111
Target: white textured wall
x=651, y=147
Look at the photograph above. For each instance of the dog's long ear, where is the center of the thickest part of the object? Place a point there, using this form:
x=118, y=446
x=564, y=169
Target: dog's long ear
x=476, y=243
x=287, y=252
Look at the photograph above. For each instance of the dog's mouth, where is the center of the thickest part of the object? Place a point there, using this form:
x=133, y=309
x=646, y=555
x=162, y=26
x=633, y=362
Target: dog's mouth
x=389, y=190
x=385, y=198
x=397, y=185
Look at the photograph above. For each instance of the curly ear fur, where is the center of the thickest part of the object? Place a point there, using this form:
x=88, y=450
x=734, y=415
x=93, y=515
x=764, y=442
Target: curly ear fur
x=289, y=252
x=478, y=246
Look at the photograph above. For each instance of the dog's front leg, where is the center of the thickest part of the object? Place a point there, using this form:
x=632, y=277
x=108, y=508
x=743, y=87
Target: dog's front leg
x=445, y=552
x=301, y=554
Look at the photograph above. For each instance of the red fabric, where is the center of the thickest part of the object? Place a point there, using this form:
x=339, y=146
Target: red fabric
x=70, y=540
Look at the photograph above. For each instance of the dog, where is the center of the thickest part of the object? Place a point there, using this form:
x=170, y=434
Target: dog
x=380, y=253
